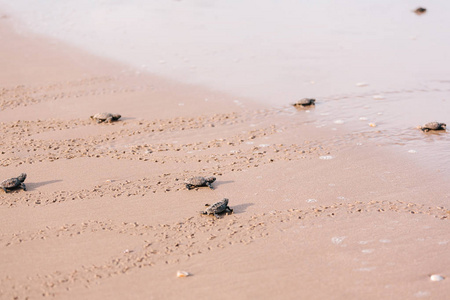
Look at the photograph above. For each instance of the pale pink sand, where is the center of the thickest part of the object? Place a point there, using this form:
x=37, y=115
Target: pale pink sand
x=106, y=214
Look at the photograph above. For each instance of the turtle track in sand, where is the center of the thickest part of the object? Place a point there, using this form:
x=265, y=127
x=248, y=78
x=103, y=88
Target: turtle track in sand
x=170, y=244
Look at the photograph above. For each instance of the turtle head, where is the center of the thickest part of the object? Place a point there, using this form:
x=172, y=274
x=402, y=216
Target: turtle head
x=312, y=101
x=116, y=117
x=225, y=201
x=443, y=125
x=22, y=177
x=210, y=179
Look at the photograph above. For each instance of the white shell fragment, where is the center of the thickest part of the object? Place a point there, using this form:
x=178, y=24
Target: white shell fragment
x=412, y=151
x=378, y=97
x=339, y=122
x=361, y=84
x=183, y=274
x=326, y=157
x=436, y=277
x=337, y=239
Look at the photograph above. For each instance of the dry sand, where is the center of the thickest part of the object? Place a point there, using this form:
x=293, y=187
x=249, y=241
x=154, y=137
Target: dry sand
x=106, y=215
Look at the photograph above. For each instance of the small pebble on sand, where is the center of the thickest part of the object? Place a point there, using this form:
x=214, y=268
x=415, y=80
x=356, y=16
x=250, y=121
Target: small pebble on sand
x=372, y=125
x=436, y=277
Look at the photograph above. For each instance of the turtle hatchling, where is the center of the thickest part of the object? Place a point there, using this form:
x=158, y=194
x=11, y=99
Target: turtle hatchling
x=305, y=102
x=105, y=117
x=14, y=183
x=199, y=181
x=433, y=126
x=218, y=208
x=420, y=10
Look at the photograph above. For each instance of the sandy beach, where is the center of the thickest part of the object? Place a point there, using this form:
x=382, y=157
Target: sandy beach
x=318, y=213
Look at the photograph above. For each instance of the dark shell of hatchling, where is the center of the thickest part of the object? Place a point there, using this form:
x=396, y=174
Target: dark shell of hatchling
x=305, y=102
x=10, y=183
x=197, y=181
x=217, y=208
x=102, y=116
x=433, y=126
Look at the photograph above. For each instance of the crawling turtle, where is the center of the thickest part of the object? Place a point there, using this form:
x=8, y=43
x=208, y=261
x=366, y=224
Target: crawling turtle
x=14, y=183
x=105, y=117
x=218, y=208
x=433, y=126
x=420, y=10
x=199, y=181
x=305, y=102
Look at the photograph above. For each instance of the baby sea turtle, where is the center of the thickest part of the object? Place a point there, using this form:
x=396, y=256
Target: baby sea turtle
x=218, y=208
x=14, y=183
x=305, y=102
x=199, y=181
x=105, y=117
x=420, y=10
x=433, y=126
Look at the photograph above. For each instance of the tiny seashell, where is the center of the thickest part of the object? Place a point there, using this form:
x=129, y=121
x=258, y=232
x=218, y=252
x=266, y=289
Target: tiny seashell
x=339, y=122
x=378, y=97
x=436, y=277
x=361, y=84
x=363, y=119
x=108, y=181
x=372, y=125
x=311, y=200
x=412, y=151
x=183, y=274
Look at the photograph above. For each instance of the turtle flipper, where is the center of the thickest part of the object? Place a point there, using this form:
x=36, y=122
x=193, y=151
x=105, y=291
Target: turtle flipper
x=4, y=189
x=209, y=184
x=229, y=210
x=109, y=120
x=189, y=186
x=23, y=186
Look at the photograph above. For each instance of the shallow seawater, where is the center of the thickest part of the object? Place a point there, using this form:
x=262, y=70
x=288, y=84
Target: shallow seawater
x=366, y=62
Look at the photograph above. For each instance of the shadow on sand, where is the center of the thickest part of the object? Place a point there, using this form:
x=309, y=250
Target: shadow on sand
x=33, y=185
x=240, y=208
x=218, y=183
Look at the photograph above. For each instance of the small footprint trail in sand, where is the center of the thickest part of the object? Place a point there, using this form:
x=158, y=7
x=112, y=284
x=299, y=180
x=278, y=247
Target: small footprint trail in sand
x=219, y=144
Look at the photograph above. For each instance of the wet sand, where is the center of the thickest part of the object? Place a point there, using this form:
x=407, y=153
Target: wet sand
x=318, y=213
